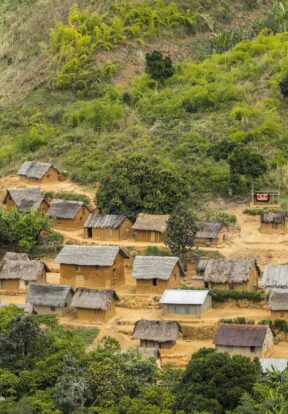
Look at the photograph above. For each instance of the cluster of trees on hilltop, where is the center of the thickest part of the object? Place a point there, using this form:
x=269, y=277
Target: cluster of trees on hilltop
x=46, y=369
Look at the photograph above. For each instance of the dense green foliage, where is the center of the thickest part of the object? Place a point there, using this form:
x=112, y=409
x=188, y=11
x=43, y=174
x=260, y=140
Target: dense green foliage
x=67, y=195
x=223, y=295
x=158, y=67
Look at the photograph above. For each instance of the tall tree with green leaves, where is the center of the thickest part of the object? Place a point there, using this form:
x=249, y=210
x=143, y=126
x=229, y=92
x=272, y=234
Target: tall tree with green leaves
x=159, y=67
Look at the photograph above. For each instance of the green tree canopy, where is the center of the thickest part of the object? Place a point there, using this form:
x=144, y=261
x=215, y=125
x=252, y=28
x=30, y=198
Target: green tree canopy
x=158, y=67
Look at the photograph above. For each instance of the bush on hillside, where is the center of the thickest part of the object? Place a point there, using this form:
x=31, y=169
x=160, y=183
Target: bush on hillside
x=158, y=67
x=223, y=295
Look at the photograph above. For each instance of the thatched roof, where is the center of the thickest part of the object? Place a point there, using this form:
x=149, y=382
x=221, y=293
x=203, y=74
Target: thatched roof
x=184, y=297
x=155, y=267
x=25, y=198
x=273, y=364
x=229, y=270
x=48, y=295
x=104, y=221
x=273, y=218
x=65, y=209
x=89, y=255
x=278, y=300
x=93, y=299
x=151, y=222
x=158, y=331
x=275, y=276
x=209, y=230
x=202, y=265
x=240, y=335
x=34, y=169
x=17, y=266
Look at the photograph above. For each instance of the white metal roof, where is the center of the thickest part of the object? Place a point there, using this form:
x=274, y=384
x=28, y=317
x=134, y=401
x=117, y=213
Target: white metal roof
x=183, y=297
x=268, y=364
x=275, y=276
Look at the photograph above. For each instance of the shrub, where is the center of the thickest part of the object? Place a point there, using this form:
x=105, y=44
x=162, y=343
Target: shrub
x=67, y=195
x=240, y=321
x=158, y=67
x=284, y=86
x=223, y=295
x=154, y=251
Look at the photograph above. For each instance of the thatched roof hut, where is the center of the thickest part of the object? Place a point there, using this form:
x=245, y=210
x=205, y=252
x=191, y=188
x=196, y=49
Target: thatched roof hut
x=34, y=169
x=209, y=230
x=278, y=300
x=48, y=295
x=229, y=270
x=65, y=209
x=94, y=299
x=156, y=331
x=275, y=276
x=273, y=218
x=202, y=266
x=25, y=198
x=19, y=266
x=103, y=221
x=89, y=255
x=151, y=222
x=155, y=267
x=237, y=335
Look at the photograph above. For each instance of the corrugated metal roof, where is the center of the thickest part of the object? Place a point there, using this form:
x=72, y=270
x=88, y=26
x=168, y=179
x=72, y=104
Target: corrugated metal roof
x=89, y=255
x=270, y=364
x=34, y=169
x=275, y=276
x=103, y=221
x=65, y=209
x=278, y=299
x=93, y=299
x=151, y=222
x=155, y=267
x=184, y=297
x=48, y=295
x=240, y=335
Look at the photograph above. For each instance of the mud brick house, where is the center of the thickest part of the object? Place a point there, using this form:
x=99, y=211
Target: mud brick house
x=273, y=364
x=250, y=340
x=25, y=199
x=185, y=302
x=211, y=234
x=273, y=222
x=38, y=172
x=157, y=334
x=278, y=304
x=49, y=299
x=154, y=274
x=275, y=276
x=68, y=214
x=17, y=271
x=150, y=228
x=95, y=267
x=94, y=305
x=238, y=274
x=108, y=227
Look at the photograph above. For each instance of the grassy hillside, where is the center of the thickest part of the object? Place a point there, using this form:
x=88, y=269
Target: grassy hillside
x=73, y=88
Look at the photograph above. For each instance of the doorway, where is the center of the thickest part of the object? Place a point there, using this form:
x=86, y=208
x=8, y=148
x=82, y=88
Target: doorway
x=89, y=232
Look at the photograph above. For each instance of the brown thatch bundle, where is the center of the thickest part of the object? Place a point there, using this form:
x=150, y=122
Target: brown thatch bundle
x=158, y=331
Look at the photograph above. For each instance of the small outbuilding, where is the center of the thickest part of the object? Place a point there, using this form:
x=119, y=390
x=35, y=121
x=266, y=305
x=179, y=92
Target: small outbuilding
x=95, y=267
x=250, y=340
x=157, y=334
x=49, y=299
x=108, y=227
x=186, y=302
x=273, y=222
x=238, y=274
x=17, y=271
x=94, y=305
x=273, y=364
x=275, y=276
x=25, y=199
x=154, y=274
x=38, y=172
x=211, y=234
x=150, y=228
x=68, y=214
x=278, y=304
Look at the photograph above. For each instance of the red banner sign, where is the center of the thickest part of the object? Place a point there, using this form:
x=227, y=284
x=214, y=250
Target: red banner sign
x=264, y=198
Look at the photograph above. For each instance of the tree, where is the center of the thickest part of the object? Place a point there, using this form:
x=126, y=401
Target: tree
x=137, y=184
x=215, y=382
x=284, y=86
x=158, y=67
x=181, y=230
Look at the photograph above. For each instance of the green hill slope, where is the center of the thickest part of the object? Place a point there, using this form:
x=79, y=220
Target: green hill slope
x=78, y=95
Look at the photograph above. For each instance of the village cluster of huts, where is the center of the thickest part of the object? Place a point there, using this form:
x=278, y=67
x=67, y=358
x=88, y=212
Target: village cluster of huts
x=90, y=274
